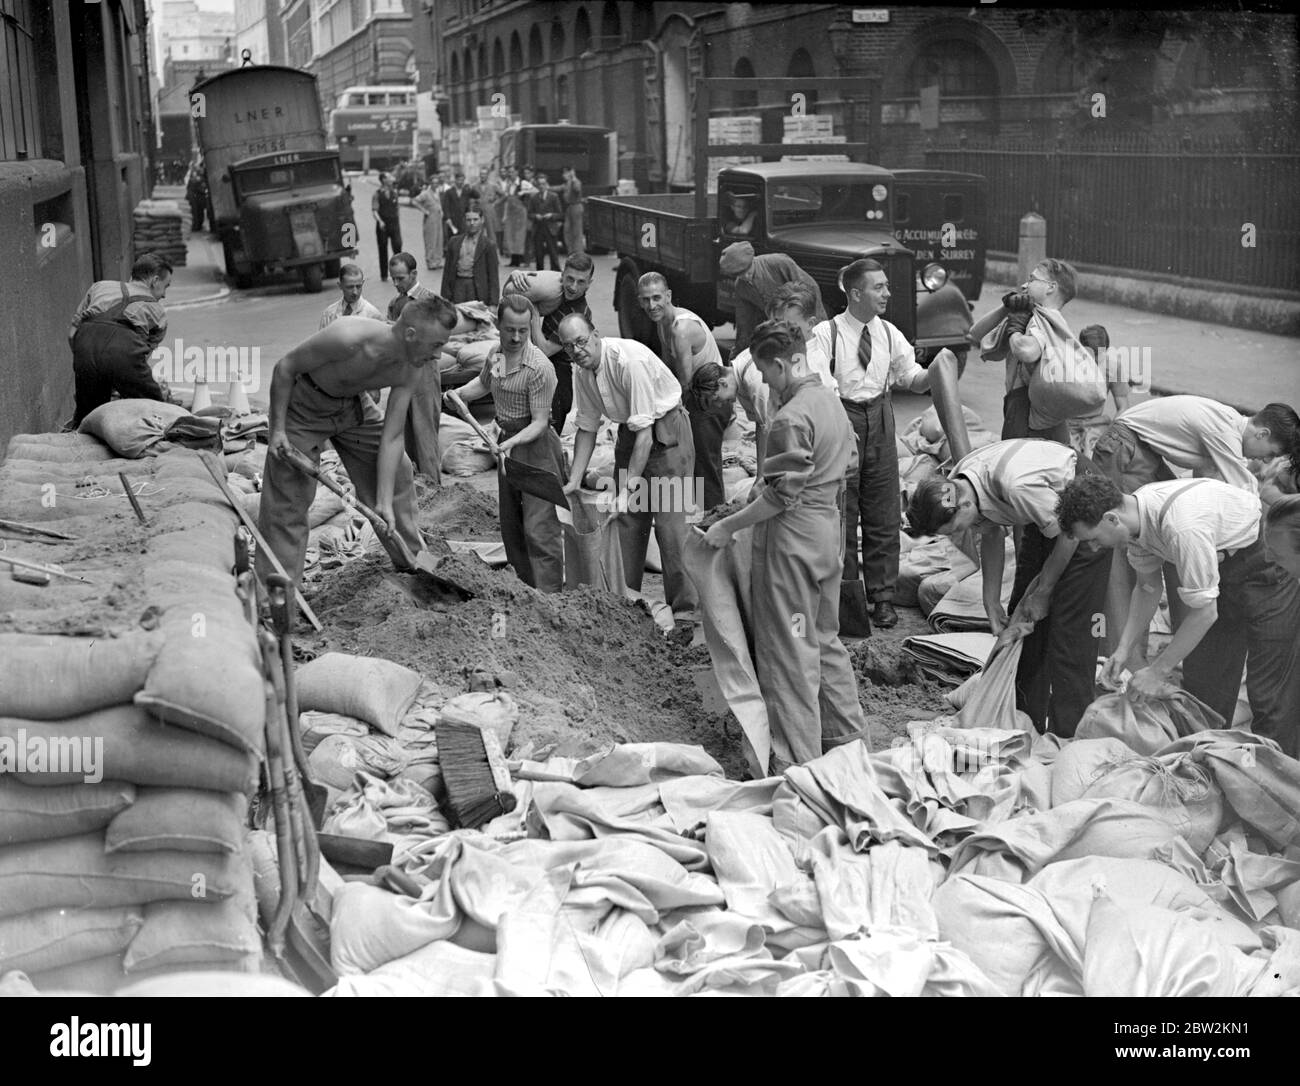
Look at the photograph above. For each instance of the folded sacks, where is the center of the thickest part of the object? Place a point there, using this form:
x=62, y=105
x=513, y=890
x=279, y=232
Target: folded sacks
x=377, y=691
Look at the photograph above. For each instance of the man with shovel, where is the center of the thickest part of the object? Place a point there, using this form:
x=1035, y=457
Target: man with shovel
x=318, y=395
x=522, y=382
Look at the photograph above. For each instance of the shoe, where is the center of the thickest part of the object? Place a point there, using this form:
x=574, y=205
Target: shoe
x=884, y=615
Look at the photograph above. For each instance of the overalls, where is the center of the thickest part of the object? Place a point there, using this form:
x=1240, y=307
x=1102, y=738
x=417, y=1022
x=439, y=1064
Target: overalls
x=110, y=354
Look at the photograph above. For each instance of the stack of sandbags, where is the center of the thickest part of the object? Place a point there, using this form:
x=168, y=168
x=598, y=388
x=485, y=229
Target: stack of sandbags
x=158, y=230
x=126, y=758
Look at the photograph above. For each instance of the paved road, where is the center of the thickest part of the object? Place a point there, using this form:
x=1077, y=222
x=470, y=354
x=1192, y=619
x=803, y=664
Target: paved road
x=1239, y=367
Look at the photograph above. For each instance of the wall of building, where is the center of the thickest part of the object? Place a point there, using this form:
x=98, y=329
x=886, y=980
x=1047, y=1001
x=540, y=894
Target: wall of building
x=65, y=206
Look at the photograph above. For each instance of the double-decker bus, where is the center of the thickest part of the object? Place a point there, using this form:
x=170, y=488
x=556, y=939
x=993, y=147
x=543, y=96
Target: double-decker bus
x=380, y=118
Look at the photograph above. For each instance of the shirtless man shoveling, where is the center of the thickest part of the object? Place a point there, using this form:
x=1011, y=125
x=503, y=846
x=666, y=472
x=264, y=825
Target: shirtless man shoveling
x=317, y=395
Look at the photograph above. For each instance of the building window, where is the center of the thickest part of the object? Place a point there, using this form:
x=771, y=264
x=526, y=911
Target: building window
x=557, y=40
x=516, y=52
x=611, y=25
x=746, y=99
x=581, y=33
x=1232, y=64
x=535, y=57
x=959, y=67
x=562, y=99
x=498, y=58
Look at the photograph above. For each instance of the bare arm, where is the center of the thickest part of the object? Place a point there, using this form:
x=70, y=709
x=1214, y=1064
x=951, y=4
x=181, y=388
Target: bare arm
x=1142, y=607
x=541, y=419
x=687, y=342
x=640, y=453
x=1034, y=603
x=992, y=562
x=584, y=443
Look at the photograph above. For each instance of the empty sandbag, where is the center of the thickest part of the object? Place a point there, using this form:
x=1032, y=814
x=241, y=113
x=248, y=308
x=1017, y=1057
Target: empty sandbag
x=138, y=749
x=374, y=690
x=49, y=938
x=28, y=813
x=185, y=819
x=50, y=678
x=131, y=427
x=76, y=872
x=1147, y=725
x=337, y=759
x=316, y=726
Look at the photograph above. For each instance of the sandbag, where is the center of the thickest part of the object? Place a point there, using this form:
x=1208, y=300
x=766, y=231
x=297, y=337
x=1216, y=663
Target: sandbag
x=325, y=506
x=1081, y=762
x=28, y=813
x=207, y=677
x=496, y=711
x=1185, y=796
x=1148, y=951
x=592, y=552
x=993, y=923
x=377, y=691
x=76, y=872
x=131, y=427
x=466, y=458
x=722, y=577
x=184, y=819
x=50, y=678
x=49, y=938
x=1147, y=725
x=57, y=448
x=212, y=984
x=988, y=698
x=186, y=932
x=337, y=759
x=1068, y=383
x=139, y=750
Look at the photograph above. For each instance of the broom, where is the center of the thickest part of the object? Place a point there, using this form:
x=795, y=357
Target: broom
x=474, y=772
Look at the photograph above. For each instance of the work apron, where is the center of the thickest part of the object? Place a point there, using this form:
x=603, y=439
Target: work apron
x=530, y=528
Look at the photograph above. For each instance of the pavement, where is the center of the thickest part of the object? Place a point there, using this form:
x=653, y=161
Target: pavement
x=202, y=280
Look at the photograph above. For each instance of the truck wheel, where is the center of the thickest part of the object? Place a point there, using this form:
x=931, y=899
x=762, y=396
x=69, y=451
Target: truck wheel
x=332, y=269
x=632, y=321
x=313, y=277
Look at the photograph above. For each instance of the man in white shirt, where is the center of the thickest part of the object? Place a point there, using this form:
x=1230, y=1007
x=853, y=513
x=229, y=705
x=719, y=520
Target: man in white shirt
x=625, y=382
x=1059, y=586
x=866, y=368
x=351, y=304
x=1243, y=609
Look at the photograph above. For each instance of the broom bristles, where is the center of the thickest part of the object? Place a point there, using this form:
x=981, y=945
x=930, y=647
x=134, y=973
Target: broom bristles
x=474, y=772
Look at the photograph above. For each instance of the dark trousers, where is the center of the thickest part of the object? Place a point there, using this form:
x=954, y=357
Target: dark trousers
x=668, y=481
x=707, y=427
x=388, y=234
x=530, y=527
x=1258, y=629
x=1015, y=419
x=543, y=243
x=108, y=357
x=198, y=211
x=1058, y=660
x=872, y=500
x=562, y=402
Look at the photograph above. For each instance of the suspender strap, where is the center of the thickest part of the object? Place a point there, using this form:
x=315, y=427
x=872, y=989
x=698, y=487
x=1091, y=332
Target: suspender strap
x=1164, y=513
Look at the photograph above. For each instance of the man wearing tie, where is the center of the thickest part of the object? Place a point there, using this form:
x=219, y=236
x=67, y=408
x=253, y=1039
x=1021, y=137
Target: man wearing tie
x=350, y=304
x=869, y=357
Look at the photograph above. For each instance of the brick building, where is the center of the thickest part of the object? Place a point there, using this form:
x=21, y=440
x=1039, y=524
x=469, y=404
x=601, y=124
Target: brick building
x=75, y=138
x=1003, y=74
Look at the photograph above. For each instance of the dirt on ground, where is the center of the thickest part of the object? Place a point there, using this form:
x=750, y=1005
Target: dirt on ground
x=456, y=511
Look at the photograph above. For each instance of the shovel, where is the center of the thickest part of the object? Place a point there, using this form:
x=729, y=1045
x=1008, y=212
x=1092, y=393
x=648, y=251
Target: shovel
x=855, y=620
x=423, y=562
x=531, y=480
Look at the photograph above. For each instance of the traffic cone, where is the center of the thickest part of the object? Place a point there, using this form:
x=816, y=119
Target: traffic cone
x=202, y=397
x=237, y=399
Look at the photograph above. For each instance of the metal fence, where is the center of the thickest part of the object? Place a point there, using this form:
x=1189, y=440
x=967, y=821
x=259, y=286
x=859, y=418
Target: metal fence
x=1208, y=209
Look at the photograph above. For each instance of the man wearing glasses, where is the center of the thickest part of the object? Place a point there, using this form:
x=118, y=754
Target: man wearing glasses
x=625, y=382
